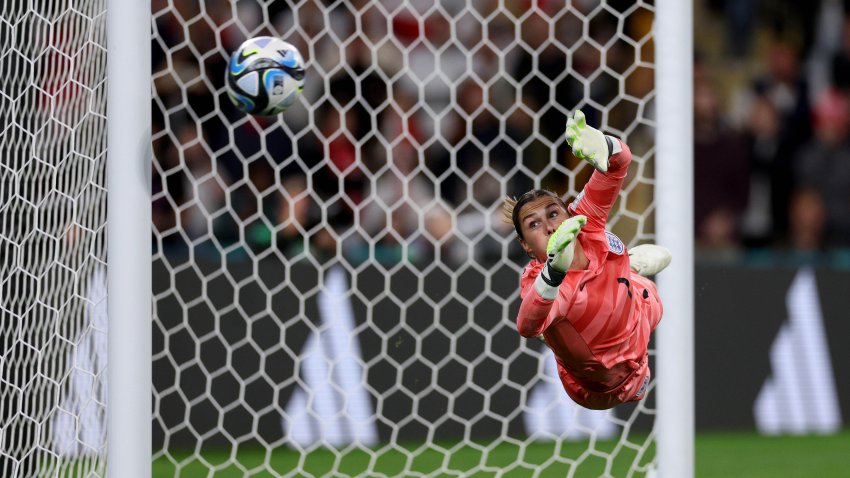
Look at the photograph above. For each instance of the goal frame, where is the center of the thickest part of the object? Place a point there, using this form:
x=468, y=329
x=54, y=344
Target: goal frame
x=674, y=423
x=129, y=219
x=129, y=248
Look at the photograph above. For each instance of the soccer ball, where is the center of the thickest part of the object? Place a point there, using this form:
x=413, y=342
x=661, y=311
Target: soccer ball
x=265, y=76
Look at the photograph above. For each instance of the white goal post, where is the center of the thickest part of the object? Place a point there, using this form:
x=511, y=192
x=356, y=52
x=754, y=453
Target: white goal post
x=129, y=245
x=329, y=292
x=674, y=196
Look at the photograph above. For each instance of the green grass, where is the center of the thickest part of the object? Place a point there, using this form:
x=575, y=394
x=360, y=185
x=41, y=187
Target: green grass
x=753, y=456
x=717, y=455
x=443, y=459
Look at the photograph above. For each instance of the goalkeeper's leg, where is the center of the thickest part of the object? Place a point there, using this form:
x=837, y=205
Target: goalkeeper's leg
x=649, y=259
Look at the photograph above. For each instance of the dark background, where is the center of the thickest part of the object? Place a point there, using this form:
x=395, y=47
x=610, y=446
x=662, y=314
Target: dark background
x=205, y=361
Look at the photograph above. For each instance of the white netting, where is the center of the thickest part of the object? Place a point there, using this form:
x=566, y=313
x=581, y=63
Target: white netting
x=52, y=238
x=334, y=289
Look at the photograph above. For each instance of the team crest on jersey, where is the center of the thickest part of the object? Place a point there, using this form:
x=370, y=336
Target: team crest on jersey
x=615, y=245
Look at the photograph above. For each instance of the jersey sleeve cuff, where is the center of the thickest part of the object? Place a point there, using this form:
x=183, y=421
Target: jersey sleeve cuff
x=545, y=290
x=613, y=145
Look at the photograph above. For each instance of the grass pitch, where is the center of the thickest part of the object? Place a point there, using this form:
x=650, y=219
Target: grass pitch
x=749, y=455
x=720, y=455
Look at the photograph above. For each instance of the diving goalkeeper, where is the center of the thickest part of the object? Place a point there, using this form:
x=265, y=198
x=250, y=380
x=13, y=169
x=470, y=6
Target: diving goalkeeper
x=584, y=292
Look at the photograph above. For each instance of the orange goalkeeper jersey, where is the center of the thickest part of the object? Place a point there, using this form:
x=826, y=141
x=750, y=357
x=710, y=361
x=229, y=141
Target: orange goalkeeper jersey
x=599, y=324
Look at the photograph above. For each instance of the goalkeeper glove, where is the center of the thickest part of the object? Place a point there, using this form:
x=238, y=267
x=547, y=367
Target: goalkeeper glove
x=649, y=259
x=589, y=143
x=560, y=249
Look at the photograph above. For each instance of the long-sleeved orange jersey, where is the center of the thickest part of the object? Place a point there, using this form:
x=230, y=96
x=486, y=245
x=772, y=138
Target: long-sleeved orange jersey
x=599, y=324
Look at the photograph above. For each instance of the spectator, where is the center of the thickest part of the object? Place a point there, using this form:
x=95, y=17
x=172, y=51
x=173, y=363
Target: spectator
x=550, y=82
x=807, y=219
x=784, y=89
x=402, y=198
x=295, y=209
x=721, y=172
x=763, y=141
x=824, y=164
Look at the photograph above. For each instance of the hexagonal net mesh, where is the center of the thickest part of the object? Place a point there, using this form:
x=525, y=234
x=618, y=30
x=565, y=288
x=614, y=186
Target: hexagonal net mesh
x=334, y=288
x=52, y=237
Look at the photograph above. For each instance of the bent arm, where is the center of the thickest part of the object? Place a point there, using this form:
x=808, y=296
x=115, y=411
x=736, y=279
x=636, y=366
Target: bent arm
x=533, y=317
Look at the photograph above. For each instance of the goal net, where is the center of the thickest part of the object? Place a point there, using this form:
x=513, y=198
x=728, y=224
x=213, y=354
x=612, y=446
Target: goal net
x=52, y=238
x=334, y=289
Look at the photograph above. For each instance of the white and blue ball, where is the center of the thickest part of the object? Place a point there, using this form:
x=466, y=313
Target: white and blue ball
x=265, y=76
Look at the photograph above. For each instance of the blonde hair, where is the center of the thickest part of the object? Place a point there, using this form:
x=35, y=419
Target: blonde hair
x=508, y=205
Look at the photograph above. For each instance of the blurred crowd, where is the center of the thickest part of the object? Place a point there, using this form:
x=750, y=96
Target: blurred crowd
x=772, y=127
x=416, y=119
x=419, y=116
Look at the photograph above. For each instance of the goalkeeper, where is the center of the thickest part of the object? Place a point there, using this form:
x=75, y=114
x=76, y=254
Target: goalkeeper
x=583, y=292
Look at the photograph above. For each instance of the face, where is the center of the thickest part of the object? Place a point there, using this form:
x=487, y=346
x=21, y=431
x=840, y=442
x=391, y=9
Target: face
x=538, y=220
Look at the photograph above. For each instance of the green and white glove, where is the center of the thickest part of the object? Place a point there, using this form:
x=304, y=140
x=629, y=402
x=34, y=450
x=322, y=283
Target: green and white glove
x=589, y=143
x=560, y=249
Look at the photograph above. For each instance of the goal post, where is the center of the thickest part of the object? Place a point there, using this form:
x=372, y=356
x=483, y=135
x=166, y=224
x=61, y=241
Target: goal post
x=129, y=230
x=674, y=199
x=331, y=291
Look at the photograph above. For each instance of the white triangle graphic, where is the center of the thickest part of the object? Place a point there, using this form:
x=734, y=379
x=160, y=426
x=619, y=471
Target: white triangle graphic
x=799, y=396
x=79, y=424
x=250, y=83
x=332, y=407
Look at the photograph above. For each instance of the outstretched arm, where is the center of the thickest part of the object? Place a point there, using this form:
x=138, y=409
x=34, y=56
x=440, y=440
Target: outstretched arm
x=610, y=157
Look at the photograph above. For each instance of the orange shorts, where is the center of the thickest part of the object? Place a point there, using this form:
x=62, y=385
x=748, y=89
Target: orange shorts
x=633, y=388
